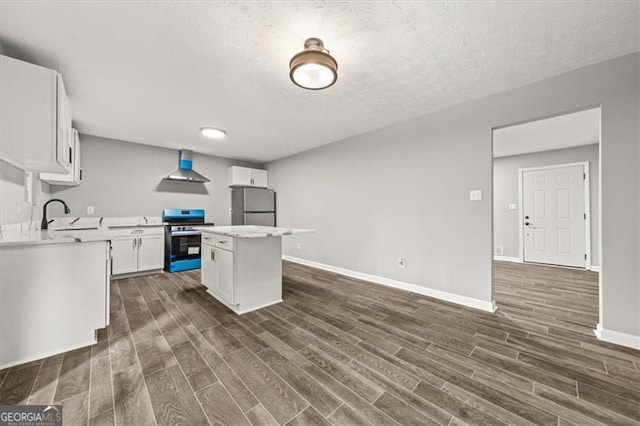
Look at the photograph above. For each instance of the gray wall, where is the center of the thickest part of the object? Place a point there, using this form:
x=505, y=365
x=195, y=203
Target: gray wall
x=125, y=179
x=403, y=190
x=13, y=208
x=506, y=223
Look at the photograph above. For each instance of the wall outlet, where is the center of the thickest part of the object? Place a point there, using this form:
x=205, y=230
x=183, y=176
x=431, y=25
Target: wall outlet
x=402, y=263
x=512, y=206
x=498, y=250
x=299, y=246
x=90, y=210
x=475, y=195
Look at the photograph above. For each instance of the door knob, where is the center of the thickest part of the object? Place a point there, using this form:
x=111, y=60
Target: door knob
x=526, y=217
x=527, y=223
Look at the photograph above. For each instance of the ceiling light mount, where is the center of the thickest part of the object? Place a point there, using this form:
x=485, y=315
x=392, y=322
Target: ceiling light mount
x=313, y=68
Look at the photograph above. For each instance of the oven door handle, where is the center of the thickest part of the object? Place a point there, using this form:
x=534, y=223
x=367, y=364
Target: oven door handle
x=185, y=233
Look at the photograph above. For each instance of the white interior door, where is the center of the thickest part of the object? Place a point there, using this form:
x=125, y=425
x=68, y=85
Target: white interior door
x=553, y=201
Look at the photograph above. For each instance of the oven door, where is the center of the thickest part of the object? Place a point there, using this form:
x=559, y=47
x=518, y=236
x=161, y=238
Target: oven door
x=185, y=245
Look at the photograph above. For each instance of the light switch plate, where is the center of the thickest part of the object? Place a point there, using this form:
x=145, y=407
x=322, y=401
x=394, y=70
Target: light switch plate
x=512, y=206
x=29, y=189
x=475, y=195
x=90, y=210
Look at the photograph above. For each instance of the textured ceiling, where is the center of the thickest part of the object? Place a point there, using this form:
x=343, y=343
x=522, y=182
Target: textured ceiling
x=563, y=131
x=155, y=72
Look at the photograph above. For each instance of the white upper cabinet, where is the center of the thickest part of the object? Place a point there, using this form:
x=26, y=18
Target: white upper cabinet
x=36, y=130
x=74, y=177
x=245, y=176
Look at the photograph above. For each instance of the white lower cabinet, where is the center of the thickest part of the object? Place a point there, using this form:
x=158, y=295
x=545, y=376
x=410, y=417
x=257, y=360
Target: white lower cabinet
x=137, y=250
x=209, y=267
x=150, y=252
x=226, y=276
x=124, y=255
x=244, y=274
x=218, y=272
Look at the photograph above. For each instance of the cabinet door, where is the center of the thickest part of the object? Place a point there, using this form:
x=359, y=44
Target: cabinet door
x=125, y=253
x=77, y=164
x=28, y=113
x=150, y=252
x=259, y=178
x=64, y=150
x=239, y=176
x=226, y=276
x=209, y=275
x=68, y=179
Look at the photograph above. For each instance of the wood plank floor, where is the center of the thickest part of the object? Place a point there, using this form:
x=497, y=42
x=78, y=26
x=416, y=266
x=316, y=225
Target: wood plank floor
x=341, y=351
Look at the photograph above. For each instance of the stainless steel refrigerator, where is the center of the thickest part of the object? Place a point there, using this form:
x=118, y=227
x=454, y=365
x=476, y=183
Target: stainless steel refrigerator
x=253, y=206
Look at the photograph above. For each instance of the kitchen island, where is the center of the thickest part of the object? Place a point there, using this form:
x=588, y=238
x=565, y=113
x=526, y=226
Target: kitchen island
x=242, y=265
x=54, y=292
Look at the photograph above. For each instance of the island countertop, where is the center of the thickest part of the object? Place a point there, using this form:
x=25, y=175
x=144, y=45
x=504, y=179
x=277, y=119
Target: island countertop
x=252, y=231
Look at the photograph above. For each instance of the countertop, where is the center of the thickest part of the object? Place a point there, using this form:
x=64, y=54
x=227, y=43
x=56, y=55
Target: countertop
x=39, y=237
x=252, y=231
x=62, y=231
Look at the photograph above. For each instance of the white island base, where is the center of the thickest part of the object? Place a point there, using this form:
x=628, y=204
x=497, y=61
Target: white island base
x=242, y=265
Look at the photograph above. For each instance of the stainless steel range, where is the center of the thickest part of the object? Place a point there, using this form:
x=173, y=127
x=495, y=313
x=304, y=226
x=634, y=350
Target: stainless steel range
x=181, y=240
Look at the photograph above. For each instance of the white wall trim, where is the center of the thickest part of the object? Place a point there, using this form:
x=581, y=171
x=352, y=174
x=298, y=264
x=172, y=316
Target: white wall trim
x=587, y=205
x=623, y=339
x=507, y=259
x=594, y=268
x=437, y=294
x=47, y=354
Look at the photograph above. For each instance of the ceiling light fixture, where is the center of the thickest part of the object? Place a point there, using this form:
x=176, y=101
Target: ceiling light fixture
x=313, y=68
x=211, y=133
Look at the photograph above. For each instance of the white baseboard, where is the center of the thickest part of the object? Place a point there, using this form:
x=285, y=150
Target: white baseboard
x=593, y=268
x=507, y=258
x=47, y=354
x=623, y=339
x=437, y=294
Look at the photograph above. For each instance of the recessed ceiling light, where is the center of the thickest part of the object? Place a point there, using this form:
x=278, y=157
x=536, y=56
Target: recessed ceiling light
x=211, y=133
x=313, y=68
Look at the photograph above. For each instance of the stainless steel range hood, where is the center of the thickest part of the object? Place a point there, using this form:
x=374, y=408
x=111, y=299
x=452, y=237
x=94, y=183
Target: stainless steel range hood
x=184, y=172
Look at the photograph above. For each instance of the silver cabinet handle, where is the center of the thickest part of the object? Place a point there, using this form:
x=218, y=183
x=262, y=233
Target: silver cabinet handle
x=134, y=242
x=213, y=255
x=206, y=238
x=222, y=242
x=139, y=241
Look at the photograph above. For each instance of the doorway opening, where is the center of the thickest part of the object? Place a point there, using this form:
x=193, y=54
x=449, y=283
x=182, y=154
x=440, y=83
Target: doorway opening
x=546, y=219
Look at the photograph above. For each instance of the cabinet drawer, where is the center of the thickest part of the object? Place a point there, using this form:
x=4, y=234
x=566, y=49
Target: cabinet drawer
x=133, y=232
x=224, y=242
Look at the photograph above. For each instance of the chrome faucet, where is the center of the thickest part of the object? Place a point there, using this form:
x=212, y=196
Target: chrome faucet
x=45, y=222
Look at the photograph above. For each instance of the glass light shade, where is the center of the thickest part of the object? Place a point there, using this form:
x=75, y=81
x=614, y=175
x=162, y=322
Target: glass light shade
x=313, y=76
x=212, y=133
